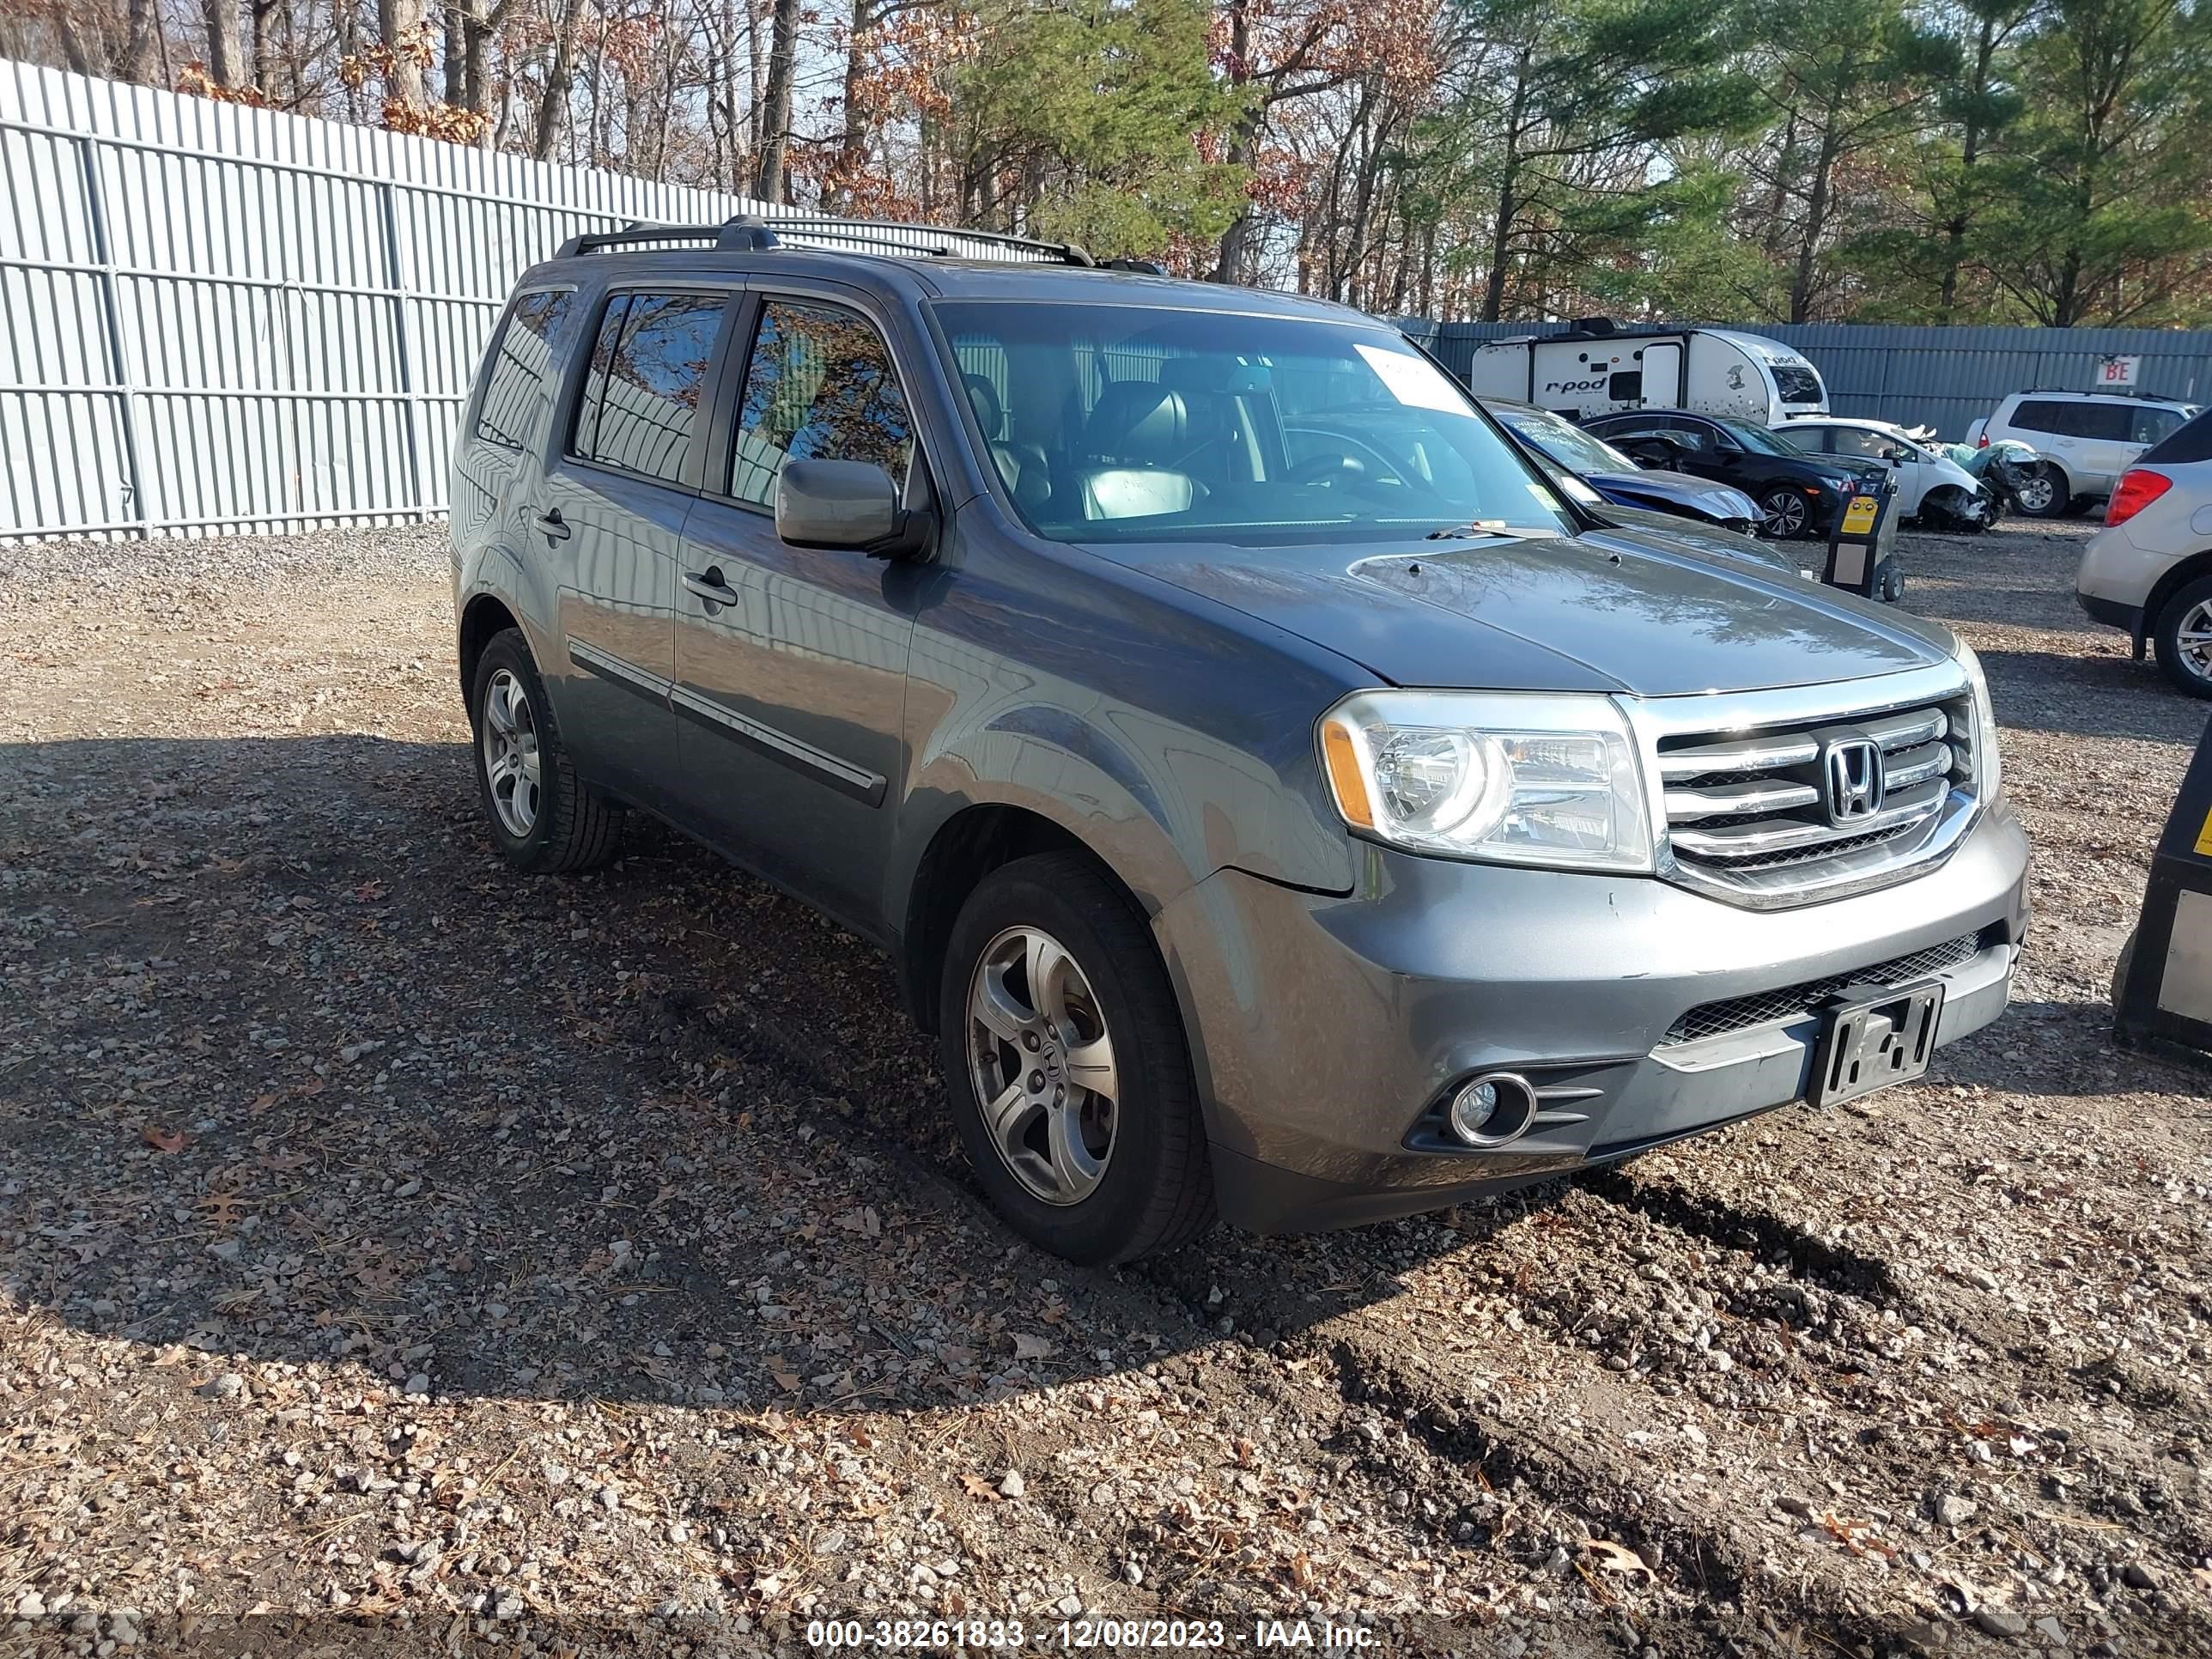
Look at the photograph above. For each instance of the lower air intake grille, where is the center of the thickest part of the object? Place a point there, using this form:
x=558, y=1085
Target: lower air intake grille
x=1791, y=1001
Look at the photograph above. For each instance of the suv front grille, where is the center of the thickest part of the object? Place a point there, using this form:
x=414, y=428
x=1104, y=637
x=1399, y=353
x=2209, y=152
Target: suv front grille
x=1795, y=1001
x=1747, y=811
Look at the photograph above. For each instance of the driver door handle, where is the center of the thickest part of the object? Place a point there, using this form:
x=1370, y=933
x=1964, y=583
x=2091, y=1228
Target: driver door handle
x=710, y=587
x=554, y=526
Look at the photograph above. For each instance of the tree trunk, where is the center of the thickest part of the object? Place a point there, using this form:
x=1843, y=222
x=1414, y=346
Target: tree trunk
x=476, y=34
x=226, y=59
x=455, y=71
x=1816, y=219
x=769, y=183
x=262, y=14
x=1962, y=212
x=398, y=30
x=1229, y=262
x=1509, y=205
x=559, y=78
x=853, y=148
x=139, y=60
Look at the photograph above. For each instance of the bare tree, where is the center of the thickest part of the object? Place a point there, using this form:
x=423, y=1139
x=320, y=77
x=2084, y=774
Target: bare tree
x=782, y=68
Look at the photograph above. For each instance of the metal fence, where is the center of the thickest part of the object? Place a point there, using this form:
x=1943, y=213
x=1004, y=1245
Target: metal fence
x=215, y=319
x=1945, y=377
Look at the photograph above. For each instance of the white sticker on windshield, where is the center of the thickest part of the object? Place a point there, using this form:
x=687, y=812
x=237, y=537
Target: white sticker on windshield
x=1414, y=382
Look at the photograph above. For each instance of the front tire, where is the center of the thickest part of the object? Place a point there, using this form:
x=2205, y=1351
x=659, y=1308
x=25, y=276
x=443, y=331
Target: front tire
x=1785, y=514
x=544, y=818
x=2044, y=493
x=1068, y=1067
x=2184, y=638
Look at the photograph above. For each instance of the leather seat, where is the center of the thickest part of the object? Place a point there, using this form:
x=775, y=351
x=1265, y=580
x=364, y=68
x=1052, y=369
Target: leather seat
x=1136, y=434
x=1021, y=465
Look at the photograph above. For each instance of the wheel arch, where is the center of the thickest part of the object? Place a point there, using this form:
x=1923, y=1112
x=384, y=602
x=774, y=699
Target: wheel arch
x=483, y=618
x=968, y=843
x=2183, y=573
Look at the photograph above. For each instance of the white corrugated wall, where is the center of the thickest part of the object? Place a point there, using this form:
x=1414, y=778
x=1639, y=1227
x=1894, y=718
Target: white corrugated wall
x=215, y=318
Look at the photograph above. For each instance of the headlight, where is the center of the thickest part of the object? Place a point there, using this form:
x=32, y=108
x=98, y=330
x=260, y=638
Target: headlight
x=1988, y=763
x=1499, y=776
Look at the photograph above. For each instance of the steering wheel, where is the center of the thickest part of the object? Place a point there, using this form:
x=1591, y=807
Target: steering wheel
x=1326, y=469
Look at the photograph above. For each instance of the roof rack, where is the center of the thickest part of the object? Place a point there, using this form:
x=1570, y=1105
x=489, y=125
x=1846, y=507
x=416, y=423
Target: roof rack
x=750, y=233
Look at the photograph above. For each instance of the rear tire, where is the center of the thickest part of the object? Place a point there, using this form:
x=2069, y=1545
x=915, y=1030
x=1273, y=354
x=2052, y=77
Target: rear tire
x=544, y=818
x=2184, y=635
x=2044, y=494
x=1103, y=1174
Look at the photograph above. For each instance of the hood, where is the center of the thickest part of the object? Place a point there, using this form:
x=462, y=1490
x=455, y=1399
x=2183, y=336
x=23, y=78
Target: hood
x=1672, y=530
x=1609, y=610
x=1714, y=500
x=1950, y=472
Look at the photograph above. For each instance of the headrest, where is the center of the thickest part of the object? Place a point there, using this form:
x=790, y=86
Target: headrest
x=1213, y=373
x=983, y=398
x=1137, y=421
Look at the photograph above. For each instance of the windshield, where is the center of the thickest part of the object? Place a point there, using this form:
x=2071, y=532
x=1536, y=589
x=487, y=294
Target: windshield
x=1139, y=423
x=1564, y=441
x=1754, y=437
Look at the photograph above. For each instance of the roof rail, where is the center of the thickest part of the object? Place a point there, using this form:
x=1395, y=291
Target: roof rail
x=750, y=232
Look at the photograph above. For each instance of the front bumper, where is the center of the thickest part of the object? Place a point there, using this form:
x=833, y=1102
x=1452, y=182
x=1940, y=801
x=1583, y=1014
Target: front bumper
x=1323, y=1027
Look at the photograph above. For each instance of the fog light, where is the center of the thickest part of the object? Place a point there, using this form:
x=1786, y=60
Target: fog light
x=1492, y=1109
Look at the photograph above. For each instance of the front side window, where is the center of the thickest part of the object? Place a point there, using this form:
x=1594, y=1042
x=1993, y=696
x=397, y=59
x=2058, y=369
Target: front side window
x=522, y=370
x=1745, y=435
x=1141, y=423
x=641, y=391
x=820, y=386
x=1864, y=443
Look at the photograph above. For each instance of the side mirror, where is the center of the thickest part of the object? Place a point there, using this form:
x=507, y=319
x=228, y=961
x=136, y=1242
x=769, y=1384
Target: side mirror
x=1897, y=457
x=846, y=504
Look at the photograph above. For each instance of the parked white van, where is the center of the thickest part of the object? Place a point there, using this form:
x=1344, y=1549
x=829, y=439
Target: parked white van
x=1600, y=368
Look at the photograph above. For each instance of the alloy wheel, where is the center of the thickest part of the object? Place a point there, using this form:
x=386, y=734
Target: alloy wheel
x=2036, y=491
x=2192, y=639
x=1784, y=511
x=510, y=753
x=1042, y=1063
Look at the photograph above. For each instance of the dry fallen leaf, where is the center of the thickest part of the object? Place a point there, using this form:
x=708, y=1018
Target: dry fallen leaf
x=787, y=1381
x=1027, y=1346
x=162, y=1141
x=1616, y=1557
x=977, y=1486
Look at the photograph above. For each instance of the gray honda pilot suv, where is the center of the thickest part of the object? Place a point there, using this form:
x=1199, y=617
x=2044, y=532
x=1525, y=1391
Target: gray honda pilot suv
x=1278, y=799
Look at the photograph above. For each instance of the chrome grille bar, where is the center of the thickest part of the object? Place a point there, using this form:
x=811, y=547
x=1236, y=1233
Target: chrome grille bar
x=1742, y=787
x=1745, y=840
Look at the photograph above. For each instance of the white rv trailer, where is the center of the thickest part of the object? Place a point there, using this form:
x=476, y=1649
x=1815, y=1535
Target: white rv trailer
x=1600, y=368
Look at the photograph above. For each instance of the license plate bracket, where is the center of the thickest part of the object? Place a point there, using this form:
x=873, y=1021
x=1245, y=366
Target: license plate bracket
x=1873, y=1036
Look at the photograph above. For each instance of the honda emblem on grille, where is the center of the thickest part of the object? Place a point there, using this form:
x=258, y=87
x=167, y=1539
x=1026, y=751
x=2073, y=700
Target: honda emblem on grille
x=1852, y=769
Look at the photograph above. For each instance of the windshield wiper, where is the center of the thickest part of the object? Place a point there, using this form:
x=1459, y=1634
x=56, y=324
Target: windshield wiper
x=1482, y=527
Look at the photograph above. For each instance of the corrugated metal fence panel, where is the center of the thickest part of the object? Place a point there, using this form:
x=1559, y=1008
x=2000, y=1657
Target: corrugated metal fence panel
x=1946, y=377
x=215, y=318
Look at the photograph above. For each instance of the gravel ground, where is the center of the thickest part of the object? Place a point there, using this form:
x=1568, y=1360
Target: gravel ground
x=396, y=1254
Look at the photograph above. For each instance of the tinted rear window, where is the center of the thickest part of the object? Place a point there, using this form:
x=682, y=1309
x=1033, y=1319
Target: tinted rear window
x=2036, y=416
x=2191, y=442
x=648, y=366
x=522, y=370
